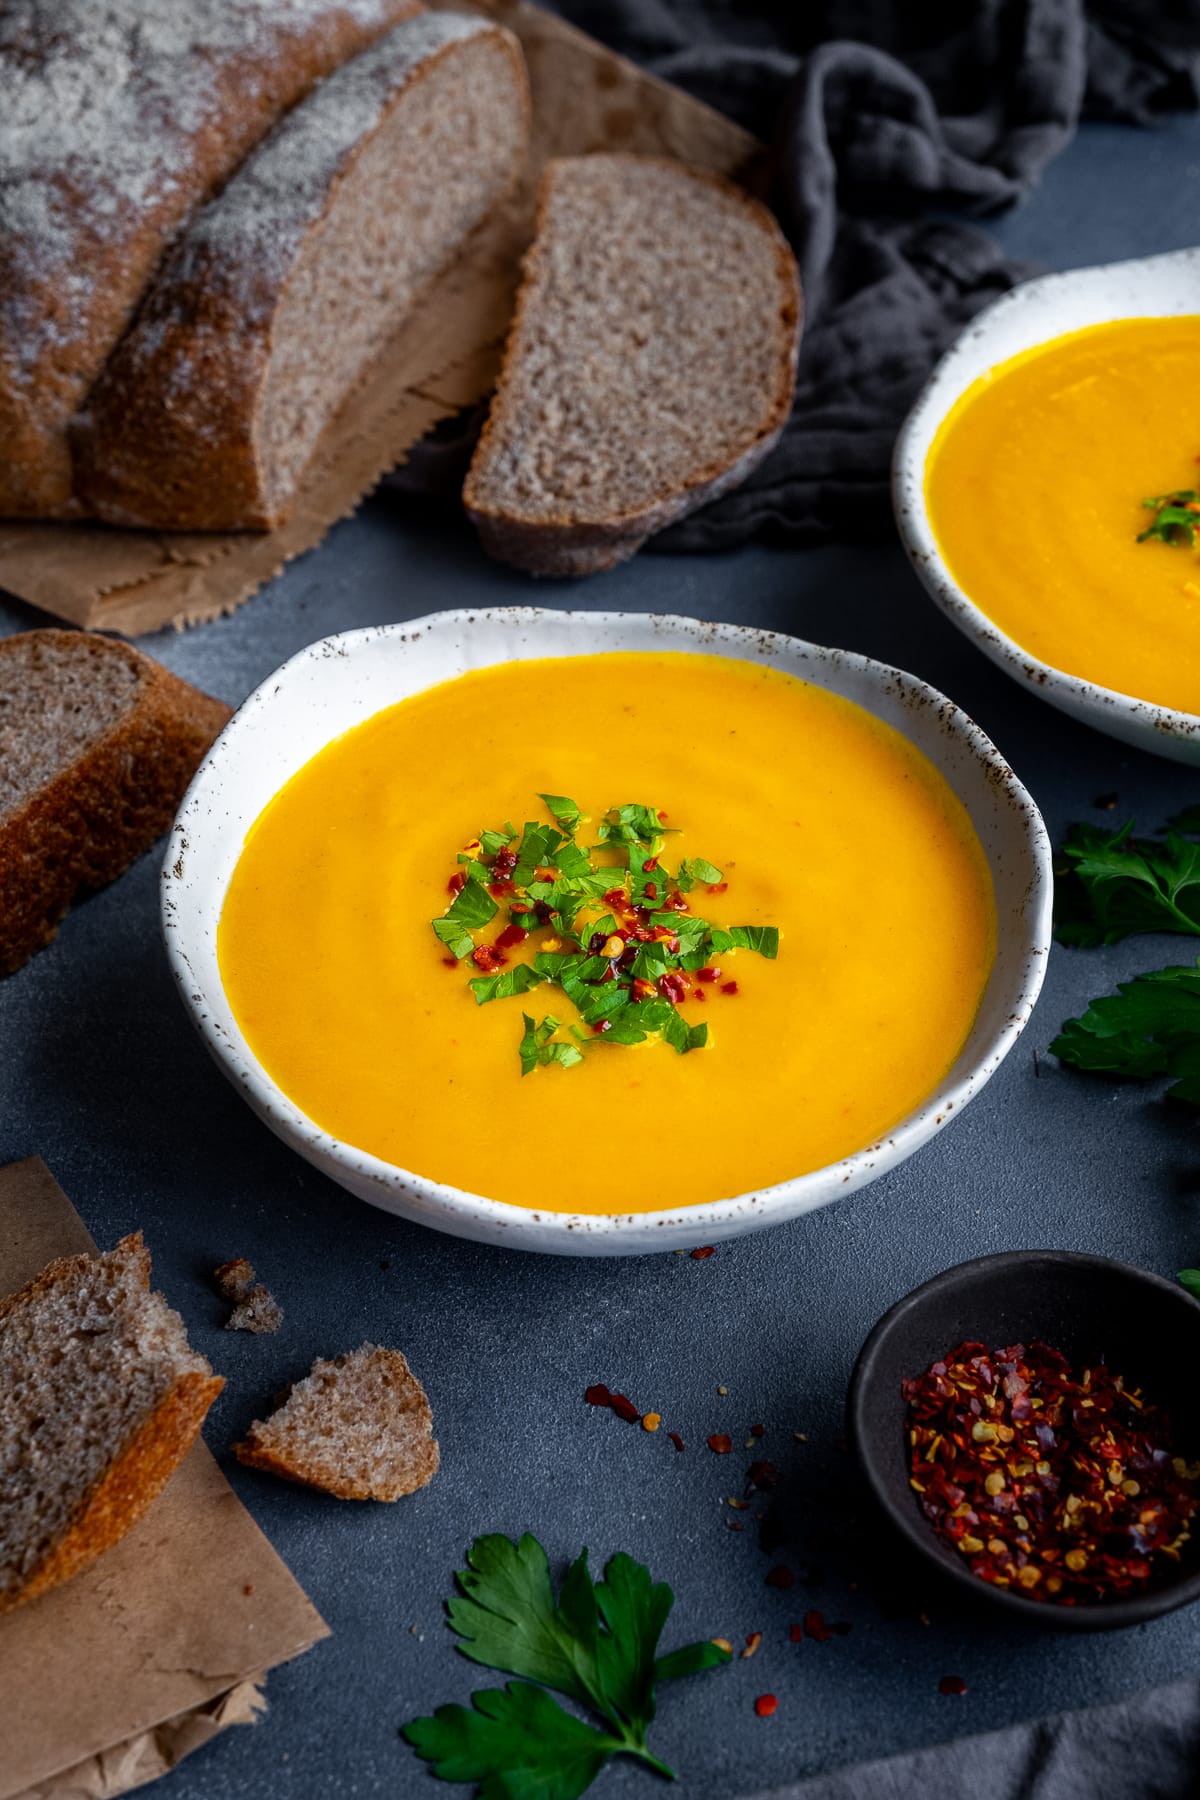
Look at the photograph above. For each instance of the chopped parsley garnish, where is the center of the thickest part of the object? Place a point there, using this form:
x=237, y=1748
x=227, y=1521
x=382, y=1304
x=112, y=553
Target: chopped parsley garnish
x=1176, y=517
x=597, y=1645
x=607, y=925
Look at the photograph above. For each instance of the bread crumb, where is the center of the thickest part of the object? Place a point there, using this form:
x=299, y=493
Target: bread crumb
x=254, y=1307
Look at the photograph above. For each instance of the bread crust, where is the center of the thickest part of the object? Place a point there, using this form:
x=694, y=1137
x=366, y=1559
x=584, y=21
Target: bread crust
x=169, y=437
x=144, y=1466
x=69, y=288
x=93, y=818
x=561, y=546
x=127, y=1487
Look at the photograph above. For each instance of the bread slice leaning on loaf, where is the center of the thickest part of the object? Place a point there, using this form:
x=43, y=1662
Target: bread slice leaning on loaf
x=97, y=745
x=650, y=366
x=100, y=1400
x=117, y=117
x=277, y=297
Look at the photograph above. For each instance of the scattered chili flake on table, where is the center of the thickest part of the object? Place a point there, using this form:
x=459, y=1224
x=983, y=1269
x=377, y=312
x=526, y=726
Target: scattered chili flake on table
x=598, y=1395
x=753, y=1640
x=780, y=1577
x=952, y=1684
x=796, y=1634
x=720, y=1444
x=1062, y=1487
x=624, y=1408
x=676, y=1439
x=816, y=1628
x=765, y=1705
x=705, y=1250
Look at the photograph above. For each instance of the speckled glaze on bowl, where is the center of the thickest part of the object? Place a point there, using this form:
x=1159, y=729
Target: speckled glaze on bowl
x=1032, y=314
x=337, y=683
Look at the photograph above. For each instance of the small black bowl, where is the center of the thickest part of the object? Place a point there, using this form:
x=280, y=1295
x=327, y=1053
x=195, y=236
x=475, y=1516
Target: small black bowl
x=1090, y=1308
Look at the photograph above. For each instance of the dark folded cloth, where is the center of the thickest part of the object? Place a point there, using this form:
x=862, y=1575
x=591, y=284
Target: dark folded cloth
x=882, y=114
x=1149, y=1746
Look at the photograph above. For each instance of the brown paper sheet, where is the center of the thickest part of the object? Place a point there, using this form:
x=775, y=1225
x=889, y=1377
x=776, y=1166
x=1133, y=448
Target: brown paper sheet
x=585, y=98
x=107, y=1681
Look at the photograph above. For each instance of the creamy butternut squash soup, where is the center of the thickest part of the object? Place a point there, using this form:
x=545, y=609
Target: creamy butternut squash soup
x=1060, y=489
x=610, y=933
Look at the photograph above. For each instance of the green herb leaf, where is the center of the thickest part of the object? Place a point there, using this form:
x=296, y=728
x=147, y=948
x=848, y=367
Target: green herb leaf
x=764, y=939
x=1176, y=518
x=565, y=811
x=517, y=1742
x=1111, y=885
x=571, y=861
x=504, y=985
x=697, y=868
x=491, y=841
x=1151, y=1026
x=597, y=1644
x=537, y=1051
x=1190, y=1279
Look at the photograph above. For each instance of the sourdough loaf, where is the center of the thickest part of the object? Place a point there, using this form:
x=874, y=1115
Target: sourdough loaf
x=116, y=118
x=97, y=744
x=100, y=1400
x=285, y=286
x=358, y=1427
x=650, y=366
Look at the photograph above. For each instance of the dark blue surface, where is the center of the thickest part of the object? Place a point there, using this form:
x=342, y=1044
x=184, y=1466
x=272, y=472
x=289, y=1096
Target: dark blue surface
x=101, y=1074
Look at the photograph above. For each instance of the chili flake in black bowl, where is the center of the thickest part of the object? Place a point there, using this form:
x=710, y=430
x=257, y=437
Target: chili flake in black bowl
x=1047, y=1481
x=1064, y=1486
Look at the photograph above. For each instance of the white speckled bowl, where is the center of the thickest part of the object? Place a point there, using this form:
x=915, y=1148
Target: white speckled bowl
x=1035, y=312
x=337, y=683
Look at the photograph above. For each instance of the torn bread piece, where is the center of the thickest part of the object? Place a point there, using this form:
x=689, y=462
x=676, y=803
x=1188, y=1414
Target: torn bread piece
x=97, y=745
x=254, y=1306
x=651, y=363
x=359, y=1427
x=101, y=1397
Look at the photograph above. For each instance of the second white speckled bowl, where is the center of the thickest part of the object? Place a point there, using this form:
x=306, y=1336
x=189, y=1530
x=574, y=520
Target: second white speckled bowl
x=339, y=682
x=1034, y=313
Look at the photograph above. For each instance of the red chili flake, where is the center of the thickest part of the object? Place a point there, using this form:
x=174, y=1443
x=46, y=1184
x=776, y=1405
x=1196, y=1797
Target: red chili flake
x=700, y=993
x=796, y=1634
x=677, y=903
x=598, y=1395
x=511, y=936
x=1057, y=1485
x=450, y=962
x=952, y=1684
x=719, y=1444
x=642, y=990
x=616, y=899
x=729, y=987
x=624, y=1408
x=500, y=890
x=763, y=1474
x=815, y=1626
x=599, y=1029
x=674, y=987
x=486, y=958
x=651, y=890
x=708, y=973
x=704, y=1251
x=456, y=883
x=651, y=862
x=765, y=1705
x=719, y=887
x=780, y=1577
x=758, y=1431
x=505, y=860
x=676, y=1439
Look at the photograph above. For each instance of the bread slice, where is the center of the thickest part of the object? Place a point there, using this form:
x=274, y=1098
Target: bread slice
x=100, y=1400
x=97, y=744
x=117, y=118
x=286, y=286
x=650, y=366
x=358, y=1427
x=255, y=1308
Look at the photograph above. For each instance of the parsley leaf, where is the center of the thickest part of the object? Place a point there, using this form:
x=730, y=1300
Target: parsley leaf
x=1176, y=518
x=536, y=1049
x=762, y=938
x=471, y=909
x=698, y=868
x=597, y=1644
x=1112, y=885
x=506, y=984
x=1190, y=1279
x=1150, y=1026
x=564, y=811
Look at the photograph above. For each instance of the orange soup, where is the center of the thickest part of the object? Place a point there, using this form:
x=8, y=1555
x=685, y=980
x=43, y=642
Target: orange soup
x=796, y=1006
x=1037, y=488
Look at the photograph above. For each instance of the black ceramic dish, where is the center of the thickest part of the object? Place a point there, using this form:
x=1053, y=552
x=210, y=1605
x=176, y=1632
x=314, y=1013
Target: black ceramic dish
x=1147, y=1329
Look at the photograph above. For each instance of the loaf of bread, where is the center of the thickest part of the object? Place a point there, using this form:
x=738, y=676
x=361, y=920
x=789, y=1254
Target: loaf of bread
x=101, y=1397
x=97, y=744
x=116, y=118
x=650, y=366
x=359, y=1427
x=283, y=288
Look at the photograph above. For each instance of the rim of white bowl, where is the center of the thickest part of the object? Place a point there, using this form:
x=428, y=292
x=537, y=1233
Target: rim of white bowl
x=455, y=1210
x=1166, y=729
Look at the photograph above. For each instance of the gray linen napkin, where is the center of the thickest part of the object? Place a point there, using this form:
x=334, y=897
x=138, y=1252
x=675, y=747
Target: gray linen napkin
x=1147, y=1748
